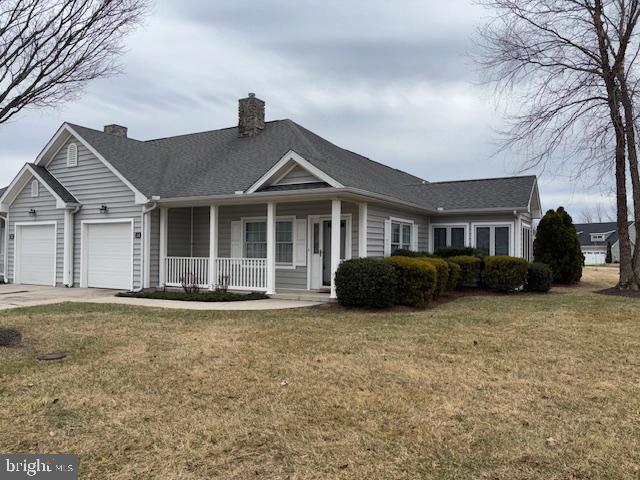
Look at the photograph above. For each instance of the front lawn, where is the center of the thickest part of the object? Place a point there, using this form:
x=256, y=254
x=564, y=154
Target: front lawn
x=491, y=387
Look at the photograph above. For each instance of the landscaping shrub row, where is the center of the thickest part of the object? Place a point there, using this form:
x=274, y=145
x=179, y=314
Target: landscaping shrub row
x=412, y=279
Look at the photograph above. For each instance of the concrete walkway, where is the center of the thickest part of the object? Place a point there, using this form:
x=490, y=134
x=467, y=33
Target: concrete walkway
x=16, y=296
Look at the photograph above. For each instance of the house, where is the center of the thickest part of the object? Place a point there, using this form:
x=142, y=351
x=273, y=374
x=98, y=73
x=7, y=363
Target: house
x=266, y=206
x=594, y=238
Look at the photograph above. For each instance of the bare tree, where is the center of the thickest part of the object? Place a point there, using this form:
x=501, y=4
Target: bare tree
x=50, y=48
x=596, y=214
x=571, y=66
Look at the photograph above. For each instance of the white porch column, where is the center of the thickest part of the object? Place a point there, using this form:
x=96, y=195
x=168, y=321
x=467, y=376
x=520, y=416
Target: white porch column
x=67, y=262
x=362, y=230
x=335, y=243
x=517, y=236
x=146, y=238
x=164, y=229
x=213, y=246
x=271, y=248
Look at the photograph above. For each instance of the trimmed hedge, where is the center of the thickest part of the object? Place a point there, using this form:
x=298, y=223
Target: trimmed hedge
x=417, y=280
x=454, y=276
x=539, y=277
x=442, y=271
x=505, y=273
x=195, y=296
x=447, y=252
x=366, y=282
x=470, y=268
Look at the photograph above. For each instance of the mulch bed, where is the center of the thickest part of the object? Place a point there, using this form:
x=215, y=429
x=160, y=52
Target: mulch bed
x=616, y=292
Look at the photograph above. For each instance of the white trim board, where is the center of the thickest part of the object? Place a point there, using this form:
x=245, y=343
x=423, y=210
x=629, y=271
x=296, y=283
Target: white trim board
x=17, y=228
x=292, y=156
x=83, y=250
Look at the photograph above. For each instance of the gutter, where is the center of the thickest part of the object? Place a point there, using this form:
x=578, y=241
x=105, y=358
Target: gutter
x=143, y=241
x=69, y=226
x=5, y=259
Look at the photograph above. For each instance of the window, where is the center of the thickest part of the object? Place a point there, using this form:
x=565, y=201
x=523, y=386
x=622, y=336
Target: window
x=72, y=155
x=35, y=188
x=255, y=241
x=400, y=236
x=284, y=242
x=448, y=236
x=493, y=239
x=597, y=237
x=526, y=243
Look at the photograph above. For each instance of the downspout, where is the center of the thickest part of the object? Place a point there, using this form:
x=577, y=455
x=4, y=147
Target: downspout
x=146, y=227
x=69, y=236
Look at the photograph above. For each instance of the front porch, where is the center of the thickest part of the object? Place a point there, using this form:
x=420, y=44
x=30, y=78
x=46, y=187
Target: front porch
x=286, y=248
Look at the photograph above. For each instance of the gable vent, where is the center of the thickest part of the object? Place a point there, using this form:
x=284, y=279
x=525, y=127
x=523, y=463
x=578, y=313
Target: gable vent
x=72, y=155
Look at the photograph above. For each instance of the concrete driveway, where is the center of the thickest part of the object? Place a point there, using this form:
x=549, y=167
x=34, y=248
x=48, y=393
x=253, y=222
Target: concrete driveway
x=16, y=296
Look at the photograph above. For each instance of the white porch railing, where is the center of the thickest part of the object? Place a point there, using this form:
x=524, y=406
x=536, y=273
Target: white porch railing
x=235, y=273
x=242, y=273
x=189, y=270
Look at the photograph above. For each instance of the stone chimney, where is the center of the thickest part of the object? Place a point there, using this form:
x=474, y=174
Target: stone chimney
x=117, y=130
x=250, y=116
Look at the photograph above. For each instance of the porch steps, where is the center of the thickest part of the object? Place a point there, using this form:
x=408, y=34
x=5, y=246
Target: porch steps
x=302, y=295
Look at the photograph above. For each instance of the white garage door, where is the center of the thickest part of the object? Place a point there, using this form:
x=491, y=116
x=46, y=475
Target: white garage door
x=594, y=257
x=108, y=255
x=35, y=254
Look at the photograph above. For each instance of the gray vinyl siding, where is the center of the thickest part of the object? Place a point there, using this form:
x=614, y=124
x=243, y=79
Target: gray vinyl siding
x=154, y=251
x=93, y=184
x=376, y=216
x=46, y=211
x=179, y=232
x=296, y=176
x=286, y=278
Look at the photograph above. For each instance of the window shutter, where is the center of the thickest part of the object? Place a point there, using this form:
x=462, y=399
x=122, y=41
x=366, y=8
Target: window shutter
x=414, y=237
x=236, y=239
x=300, y=239
x=387, y=238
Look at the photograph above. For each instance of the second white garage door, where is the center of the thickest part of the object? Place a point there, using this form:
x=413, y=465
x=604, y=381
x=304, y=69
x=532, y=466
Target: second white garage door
x=594, y=257
x=108, y=256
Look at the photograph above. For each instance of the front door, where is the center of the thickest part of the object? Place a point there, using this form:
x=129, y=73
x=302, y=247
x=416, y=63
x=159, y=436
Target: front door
x=321, y=251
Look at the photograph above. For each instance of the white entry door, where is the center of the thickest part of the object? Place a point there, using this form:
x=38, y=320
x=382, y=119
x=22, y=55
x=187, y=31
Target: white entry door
x=36, y=254
x=107, y=255
x=320, y=227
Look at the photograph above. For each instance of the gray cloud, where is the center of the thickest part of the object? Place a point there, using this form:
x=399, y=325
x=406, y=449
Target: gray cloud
x=390, y=80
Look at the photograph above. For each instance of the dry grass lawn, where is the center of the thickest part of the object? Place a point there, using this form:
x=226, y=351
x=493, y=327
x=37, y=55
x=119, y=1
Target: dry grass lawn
x=490, y=387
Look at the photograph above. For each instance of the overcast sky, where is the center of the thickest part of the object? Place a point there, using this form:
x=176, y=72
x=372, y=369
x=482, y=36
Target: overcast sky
x=390, y=80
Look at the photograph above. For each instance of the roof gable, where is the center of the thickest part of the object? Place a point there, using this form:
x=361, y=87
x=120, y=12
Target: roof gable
x=29, y=171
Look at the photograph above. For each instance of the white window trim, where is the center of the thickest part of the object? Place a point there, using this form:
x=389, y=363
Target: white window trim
x=35, y=188
x=400, y=221
x=16, y=250
x=286, y=218
x=73, y=163
x=448, y=226
x=492, y=243
x=83, y=250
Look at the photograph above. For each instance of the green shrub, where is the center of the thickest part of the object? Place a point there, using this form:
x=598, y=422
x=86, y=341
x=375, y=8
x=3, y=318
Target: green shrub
x=447, y=252
x=454, y=276
x=539, y=277
x=195, y=296
x=609, y=257
x=504, y=273
x=366, y=282
x=470, y=268
x=557, y=245
x=417, y=280
x=442, y=271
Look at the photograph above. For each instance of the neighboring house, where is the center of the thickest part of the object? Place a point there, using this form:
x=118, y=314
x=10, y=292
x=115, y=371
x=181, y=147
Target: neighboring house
x=594, y=238
x=263, y=206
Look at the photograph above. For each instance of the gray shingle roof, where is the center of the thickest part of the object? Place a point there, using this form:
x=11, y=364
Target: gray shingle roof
x=586, y=229
x=488, y=193
x=219, y=162
x=2, y=190
x=55, y=185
